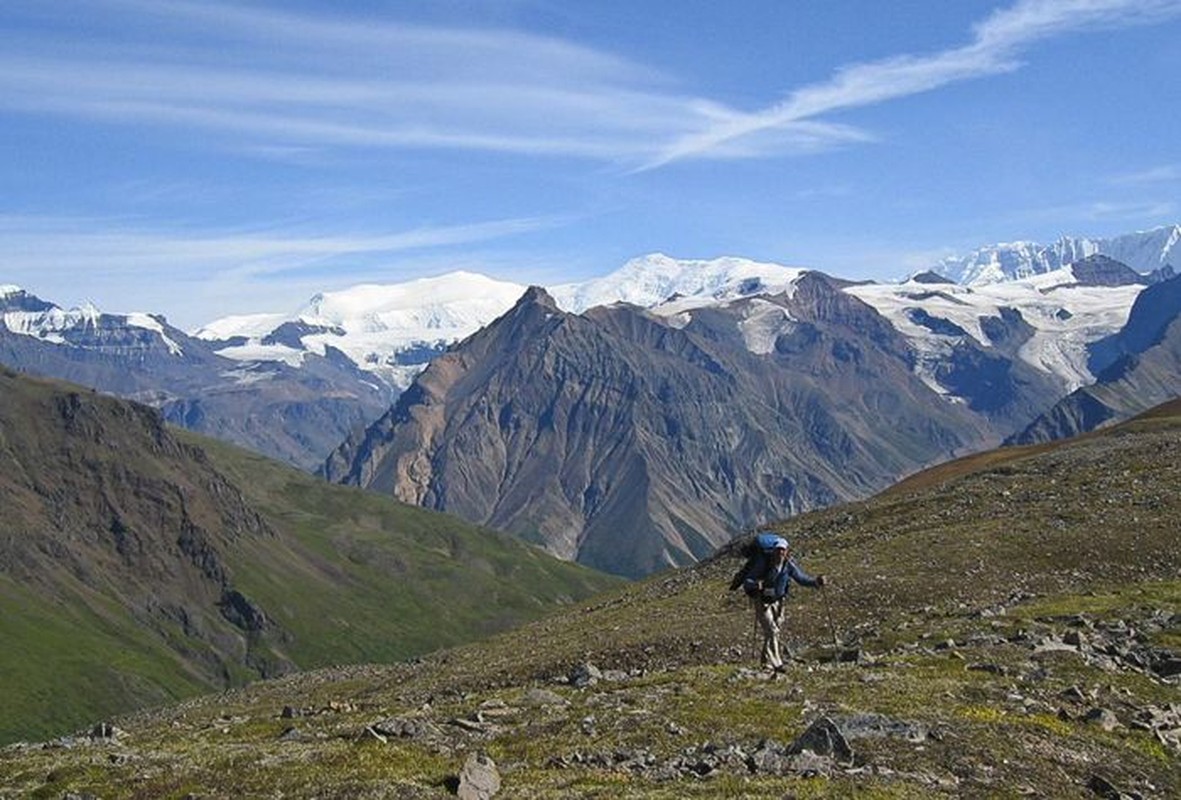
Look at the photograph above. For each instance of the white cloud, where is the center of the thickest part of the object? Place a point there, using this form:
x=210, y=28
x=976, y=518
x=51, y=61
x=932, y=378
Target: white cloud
x=997, y=43
x=287, y=83
x=292, y=82
x=1166, y=173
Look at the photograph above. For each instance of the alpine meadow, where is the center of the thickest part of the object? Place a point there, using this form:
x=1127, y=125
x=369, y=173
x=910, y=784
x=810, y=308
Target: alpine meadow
x=547, y=399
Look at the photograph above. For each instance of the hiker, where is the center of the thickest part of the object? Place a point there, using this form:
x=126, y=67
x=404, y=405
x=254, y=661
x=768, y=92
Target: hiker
x=766, y=583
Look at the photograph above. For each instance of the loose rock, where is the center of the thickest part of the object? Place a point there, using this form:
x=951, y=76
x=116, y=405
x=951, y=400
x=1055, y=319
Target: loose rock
x=823, y=738
x=479, y=779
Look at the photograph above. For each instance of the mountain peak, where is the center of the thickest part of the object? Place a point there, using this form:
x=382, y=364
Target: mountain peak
x=537, y=295
x=652, y=279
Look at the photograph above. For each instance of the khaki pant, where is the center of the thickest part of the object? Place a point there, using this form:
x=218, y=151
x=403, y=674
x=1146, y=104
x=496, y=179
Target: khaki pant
x=767, y=615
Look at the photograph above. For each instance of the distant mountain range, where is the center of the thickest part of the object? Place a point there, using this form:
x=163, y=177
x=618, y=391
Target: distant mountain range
x=635, y=438
x=297, y=413
x=819, y=390
x=1155, y=251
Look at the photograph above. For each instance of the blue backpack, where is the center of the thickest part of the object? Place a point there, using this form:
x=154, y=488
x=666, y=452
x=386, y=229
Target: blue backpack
x=755, y=551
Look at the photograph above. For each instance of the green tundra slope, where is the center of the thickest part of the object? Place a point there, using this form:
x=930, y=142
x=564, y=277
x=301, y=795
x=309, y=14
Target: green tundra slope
x=140, y=565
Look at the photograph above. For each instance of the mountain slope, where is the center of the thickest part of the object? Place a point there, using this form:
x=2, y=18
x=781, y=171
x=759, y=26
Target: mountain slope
x=633, y=440
x=1008, y=626
x=138, y=566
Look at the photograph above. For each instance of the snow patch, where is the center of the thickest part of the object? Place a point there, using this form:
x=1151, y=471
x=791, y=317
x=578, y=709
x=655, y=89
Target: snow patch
x=1066, y=317
x=763, y=325
x=253, y=351
x=150, y=323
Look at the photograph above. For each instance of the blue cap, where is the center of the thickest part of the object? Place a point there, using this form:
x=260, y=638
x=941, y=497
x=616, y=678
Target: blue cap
x=772, y=541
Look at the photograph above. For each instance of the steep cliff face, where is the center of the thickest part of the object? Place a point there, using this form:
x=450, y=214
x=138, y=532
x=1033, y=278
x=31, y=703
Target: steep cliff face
x=631, y=440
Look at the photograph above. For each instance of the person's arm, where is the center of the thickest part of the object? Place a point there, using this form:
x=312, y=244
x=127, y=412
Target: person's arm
x=802, y=578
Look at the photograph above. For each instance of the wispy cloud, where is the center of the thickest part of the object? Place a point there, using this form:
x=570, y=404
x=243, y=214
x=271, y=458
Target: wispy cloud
x=285, y=84
x=1121, y=212
x=289, y=81
x=31, y=242
x=1167, y=173
x=996, y=46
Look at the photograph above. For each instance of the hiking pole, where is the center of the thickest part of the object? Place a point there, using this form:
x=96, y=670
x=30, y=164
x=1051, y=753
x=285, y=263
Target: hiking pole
x=754, y=634
x=831, y=628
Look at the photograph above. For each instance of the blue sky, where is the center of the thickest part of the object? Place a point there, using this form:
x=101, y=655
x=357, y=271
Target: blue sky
x=200, y=158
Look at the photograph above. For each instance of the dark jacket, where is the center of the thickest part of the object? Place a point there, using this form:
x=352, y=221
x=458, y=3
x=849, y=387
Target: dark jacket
x=775, y=581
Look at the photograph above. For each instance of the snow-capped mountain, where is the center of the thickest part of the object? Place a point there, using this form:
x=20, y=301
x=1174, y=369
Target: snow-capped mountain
x=391, y=330
x=28, y=315
x=1059, y=316
x=654, y=279
x=394, y=330
x=1144, y=251
x=294, y=414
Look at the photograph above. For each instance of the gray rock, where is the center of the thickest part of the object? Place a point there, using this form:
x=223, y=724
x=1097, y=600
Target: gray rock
x=1103, y=787
x=769, y=759
x=542, y=697
x=994, y=669
x=479, y=779
x=404, y=727
x=823, y=738
x=810, y=765
x=370, y=735
x=867, y=726
x=1167, y=667
x=105, y=730
x=585, y=675
x=1104, y=718
x=850, y=655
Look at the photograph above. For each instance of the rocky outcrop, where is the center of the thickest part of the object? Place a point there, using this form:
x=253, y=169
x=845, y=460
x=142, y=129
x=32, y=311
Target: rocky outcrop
x=1101, y=270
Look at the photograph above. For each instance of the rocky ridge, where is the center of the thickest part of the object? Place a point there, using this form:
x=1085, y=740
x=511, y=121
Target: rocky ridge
x=630, y=443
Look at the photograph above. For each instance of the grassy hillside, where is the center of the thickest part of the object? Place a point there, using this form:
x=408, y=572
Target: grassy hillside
x=139, y=565
x=1008, y=625
x=358, y=577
